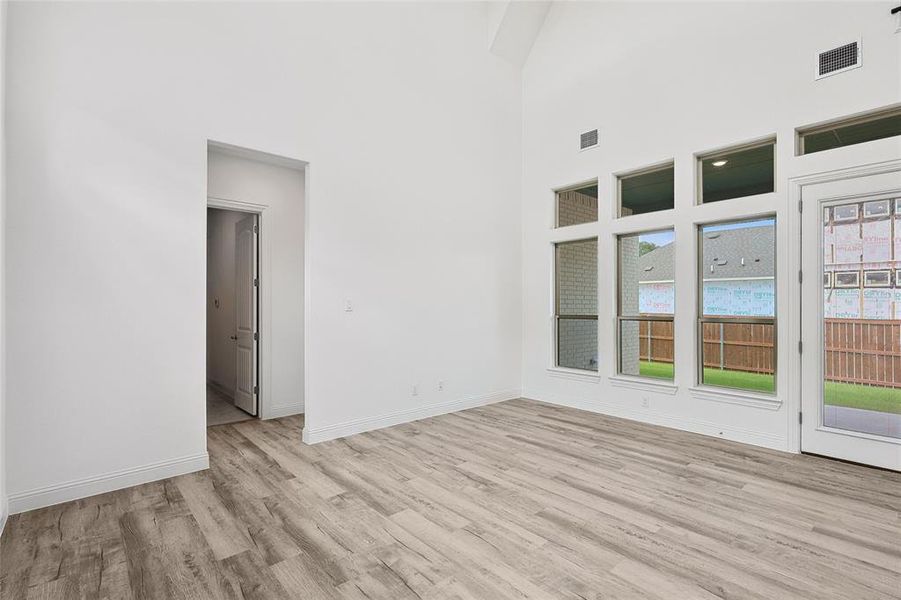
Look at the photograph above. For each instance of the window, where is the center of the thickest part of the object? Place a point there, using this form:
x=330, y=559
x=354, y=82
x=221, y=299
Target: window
x=576, y=275
x=737, y=173
x=647, y=191
x=737, y=325
x=882, y=278
x=577, y=205
x=646, y=303
x=847, y=279
x=879, y=208
x=849, y=132
x=846, y=212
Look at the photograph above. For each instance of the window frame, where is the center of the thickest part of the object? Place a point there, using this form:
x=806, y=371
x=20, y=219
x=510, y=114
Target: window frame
x=726, y=151
x=650, y=318
x=701, y=319
x=556, y=307
x=661, y=166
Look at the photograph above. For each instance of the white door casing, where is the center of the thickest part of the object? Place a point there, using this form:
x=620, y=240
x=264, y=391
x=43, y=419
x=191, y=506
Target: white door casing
x=879, y=182
x=246, y=326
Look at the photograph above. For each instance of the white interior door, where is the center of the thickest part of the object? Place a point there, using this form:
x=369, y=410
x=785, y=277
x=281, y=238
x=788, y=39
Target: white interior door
x=851, y=318
x=246, y=326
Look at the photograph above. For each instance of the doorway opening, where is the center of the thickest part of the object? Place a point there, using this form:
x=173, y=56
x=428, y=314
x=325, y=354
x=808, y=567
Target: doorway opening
x=232, y=316
x=256, y=285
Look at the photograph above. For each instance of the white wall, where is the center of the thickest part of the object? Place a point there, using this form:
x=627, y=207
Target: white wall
x=412, y=132
x=4, y=507
x=220, y=298
x=662, y=82
x=281, y=190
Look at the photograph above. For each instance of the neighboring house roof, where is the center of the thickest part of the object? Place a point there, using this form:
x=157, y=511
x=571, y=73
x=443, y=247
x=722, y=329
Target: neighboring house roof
x=727, y=247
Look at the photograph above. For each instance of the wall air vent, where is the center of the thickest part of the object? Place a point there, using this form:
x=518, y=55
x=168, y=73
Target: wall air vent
x=838, y=60
x=589, y=139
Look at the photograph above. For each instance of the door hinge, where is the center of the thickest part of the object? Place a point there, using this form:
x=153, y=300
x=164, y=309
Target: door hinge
x=800, y=206
x=800, y=276
x=800, y=418
x=800, y=346
x=256, y=282
x=256, y=335
x=256, y=390
x=255, y=229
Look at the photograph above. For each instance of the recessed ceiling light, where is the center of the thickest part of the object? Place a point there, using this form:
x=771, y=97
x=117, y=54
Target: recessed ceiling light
x=719, y=163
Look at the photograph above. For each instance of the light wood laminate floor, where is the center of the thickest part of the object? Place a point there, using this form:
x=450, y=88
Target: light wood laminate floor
x=514, y=500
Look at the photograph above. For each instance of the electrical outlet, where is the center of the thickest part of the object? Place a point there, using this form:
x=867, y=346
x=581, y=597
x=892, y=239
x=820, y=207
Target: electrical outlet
x=415, y=390
x=440, y=386
x=645, y=402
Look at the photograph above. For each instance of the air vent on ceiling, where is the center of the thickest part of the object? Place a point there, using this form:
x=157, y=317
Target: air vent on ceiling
x=838, y=60
x=589, y=139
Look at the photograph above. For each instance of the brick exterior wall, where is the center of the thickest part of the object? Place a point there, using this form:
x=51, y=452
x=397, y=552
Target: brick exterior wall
x=574, y=208
x=577, y=290
x=628, y=276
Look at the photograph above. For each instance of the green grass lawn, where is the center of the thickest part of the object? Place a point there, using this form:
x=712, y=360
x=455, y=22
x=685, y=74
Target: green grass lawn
x=837, y=394
x=656, y=369
x=863, y=396
x=734, y=379
x=755, y=382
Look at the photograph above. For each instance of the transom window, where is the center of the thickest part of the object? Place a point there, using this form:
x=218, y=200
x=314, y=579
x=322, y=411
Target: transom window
x=849, y=132
x=744, y=171
x=647, y=191
x=577, y=205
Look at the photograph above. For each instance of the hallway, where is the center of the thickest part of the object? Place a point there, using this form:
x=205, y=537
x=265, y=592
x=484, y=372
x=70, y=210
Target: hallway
x=220, y=410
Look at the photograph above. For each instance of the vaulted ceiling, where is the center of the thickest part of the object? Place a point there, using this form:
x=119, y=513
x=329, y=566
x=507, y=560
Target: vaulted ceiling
x=513, y=27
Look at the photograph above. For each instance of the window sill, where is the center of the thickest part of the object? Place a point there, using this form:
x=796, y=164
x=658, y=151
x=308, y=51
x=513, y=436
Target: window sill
x=766, y=401
x=574, y=374
x=644, y=384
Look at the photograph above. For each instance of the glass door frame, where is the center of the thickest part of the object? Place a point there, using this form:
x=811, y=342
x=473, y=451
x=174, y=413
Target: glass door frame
x=876, y=182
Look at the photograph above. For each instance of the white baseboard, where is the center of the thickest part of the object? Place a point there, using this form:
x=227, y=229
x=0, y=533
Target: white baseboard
x=285, y=410
x=4, y=513
x=339, y=430
x=109, y=482
x=736, y=434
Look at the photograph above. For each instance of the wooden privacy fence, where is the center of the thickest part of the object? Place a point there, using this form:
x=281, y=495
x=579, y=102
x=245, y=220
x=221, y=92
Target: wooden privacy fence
x=866, y=351
x=863, y=351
